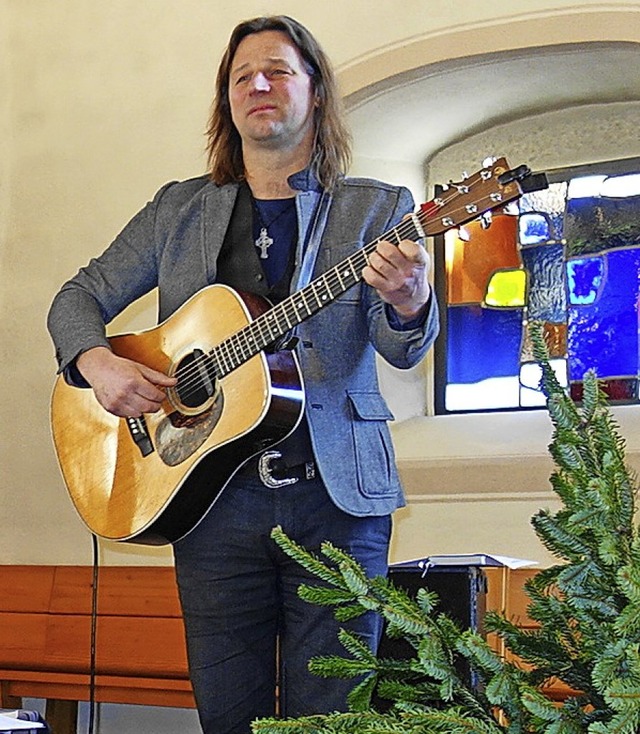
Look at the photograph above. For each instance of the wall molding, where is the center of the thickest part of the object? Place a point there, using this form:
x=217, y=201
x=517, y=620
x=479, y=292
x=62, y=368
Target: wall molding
x=378, y=71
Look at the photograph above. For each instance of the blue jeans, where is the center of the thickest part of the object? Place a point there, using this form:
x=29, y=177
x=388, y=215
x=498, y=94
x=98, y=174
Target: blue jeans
x=241, y=610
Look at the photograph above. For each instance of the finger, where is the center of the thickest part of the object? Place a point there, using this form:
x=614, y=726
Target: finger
x=413, y=252
x=381, y=265
x=386, y=250
x=148, y=393
x=156, y=377
x=125, y=406
x=403, y=256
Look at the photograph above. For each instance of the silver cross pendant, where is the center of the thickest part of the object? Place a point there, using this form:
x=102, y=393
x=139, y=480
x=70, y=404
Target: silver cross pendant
x=263, y=243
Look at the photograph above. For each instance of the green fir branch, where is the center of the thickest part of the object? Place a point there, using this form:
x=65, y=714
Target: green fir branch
x=586, y=608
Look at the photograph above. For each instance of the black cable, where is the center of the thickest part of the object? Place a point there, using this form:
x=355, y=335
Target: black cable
x=94, y=627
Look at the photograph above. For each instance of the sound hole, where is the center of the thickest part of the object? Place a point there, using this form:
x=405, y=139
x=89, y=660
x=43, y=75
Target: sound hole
x=196, y=380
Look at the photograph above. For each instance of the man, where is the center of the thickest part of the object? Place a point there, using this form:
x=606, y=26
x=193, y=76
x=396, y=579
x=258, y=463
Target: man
x=274, y=209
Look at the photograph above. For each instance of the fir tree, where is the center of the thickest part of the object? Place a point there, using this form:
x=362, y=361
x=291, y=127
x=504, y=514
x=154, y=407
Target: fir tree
x=587, y=607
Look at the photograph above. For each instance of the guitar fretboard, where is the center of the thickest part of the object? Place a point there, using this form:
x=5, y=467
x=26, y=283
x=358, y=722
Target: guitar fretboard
x=270, y=326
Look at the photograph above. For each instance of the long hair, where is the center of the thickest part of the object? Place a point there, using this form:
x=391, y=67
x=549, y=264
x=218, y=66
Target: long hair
x=332, y=144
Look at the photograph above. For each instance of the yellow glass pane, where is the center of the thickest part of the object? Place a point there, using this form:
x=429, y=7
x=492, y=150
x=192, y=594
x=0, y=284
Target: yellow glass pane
x=507, y=289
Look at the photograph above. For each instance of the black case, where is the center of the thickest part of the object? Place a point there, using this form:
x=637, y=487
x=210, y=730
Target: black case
x=462, y=593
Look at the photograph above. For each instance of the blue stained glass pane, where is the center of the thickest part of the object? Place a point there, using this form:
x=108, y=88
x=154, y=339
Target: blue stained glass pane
x=547, y=301
x=584, y=280
x=604, y=335
x=482, y=343
x=533, y=229
x=549, y=202
x=596, y=224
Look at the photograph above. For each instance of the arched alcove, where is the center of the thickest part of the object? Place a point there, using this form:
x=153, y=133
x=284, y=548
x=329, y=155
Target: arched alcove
x=410, y=101
x=428, y=109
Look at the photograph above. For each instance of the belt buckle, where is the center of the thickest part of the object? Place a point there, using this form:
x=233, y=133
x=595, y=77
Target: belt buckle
x=264, y=471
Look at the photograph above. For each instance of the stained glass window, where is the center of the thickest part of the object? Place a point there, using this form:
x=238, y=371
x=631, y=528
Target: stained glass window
x=567, y=256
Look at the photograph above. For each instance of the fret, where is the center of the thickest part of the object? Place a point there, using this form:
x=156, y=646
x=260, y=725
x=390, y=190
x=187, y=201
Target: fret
x=281, y=320
x=331, y=283
x=391, y=235
x=299, y=302
x=361, y=258
x=283, y=309
x=258, y=338
x=225, y=355
x=272, y=321
x=355, y=274
x=246, y=341
x=268, y=319
x=238, y=350
x=324, y=298
x=314, y=287
x=345, y=274
x=216, y=353
x=262, y=339
x=308, y=293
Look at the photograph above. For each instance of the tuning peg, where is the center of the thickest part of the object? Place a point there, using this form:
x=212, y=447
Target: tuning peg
x=486, y=218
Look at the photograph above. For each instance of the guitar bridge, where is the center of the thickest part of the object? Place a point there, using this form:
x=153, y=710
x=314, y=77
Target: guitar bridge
x=140, y=435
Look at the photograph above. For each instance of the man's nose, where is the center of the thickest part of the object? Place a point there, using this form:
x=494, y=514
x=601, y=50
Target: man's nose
x=260, y=82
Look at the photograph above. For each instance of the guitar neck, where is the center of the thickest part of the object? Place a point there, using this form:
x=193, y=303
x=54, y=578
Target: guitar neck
x=277, y=321
x=490, y=188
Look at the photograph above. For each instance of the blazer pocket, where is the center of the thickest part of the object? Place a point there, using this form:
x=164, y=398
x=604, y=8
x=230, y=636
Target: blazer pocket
x=375, y=461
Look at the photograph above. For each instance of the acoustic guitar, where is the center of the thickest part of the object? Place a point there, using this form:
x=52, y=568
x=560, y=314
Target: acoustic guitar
x=152, y=479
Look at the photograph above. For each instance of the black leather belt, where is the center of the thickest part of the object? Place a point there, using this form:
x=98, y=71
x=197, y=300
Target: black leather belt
x=272, y=470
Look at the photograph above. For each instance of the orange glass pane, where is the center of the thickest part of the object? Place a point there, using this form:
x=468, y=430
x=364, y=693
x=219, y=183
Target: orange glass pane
x=555, y=336
x=470, y=264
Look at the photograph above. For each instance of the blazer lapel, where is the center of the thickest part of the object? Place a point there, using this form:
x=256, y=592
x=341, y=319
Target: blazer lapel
x=218, y=206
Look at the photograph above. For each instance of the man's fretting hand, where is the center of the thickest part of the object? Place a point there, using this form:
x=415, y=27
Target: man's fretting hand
x=400, y=276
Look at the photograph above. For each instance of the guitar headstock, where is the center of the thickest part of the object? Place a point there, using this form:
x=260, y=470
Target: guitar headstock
x=488, y=189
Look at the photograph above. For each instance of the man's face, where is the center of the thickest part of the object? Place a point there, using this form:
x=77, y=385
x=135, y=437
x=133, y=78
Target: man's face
x=270, y=93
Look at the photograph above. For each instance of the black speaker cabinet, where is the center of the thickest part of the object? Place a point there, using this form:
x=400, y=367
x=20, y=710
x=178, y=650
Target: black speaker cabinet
x=462, y=592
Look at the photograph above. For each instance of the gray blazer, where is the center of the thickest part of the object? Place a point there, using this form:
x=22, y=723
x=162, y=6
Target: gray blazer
x=173, y=244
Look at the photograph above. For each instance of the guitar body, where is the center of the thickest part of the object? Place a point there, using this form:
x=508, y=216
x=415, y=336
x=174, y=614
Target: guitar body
x=152, y=481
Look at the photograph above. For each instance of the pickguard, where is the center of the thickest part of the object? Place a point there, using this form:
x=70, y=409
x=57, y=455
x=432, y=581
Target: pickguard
x=179, y=437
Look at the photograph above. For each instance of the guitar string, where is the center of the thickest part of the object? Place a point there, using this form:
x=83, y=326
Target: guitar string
x=245, y=345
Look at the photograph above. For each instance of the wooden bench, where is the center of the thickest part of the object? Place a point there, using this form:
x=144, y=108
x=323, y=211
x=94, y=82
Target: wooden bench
x=45, y=636
x=45, y=639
